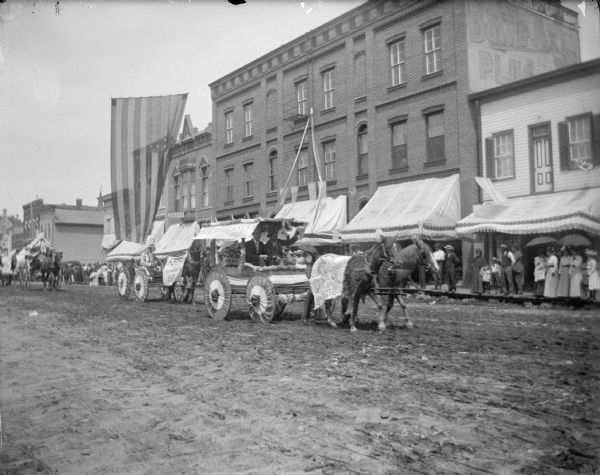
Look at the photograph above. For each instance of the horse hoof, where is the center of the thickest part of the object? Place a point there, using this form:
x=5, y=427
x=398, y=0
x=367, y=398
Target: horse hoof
x=381, y=326
x=352, y=328
x=409, y=324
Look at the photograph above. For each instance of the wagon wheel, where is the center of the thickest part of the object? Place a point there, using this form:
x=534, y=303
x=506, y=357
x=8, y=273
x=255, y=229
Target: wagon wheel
x=123, y=285
x=261, y=299
x=217, y=294
x=179, y=292
x=140, y=286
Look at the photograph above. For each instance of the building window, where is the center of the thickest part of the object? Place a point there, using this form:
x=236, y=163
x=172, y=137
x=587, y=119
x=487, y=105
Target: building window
x=302, y=98
x=397, y=62
x=303, y=167
x=329, y=158
x=363, y=150
x=248, y=120
x=273, y=171
x=433, y=49
x=177, y=185
x=248, y=181
x=229, y=127
x=580, y=140
x=328, y=78
x=435, y=137
x=228, y=185
x=504, y=161
x=399, y=152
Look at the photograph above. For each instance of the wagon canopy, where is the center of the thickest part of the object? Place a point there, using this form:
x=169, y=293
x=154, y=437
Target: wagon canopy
x=331, y=217
x=429, y=207
x=125, y=251
x=237, y=229
x=535, y=214
x=177, y=239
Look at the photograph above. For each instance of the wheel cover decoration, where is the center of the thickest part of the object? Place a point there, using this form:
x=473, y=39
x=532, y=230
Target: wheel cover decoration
x=217, y=294
x=258, y=299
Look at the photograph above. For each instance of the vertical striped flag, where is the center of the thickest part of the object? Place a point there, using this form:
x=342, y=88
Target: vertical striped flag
x=142, y=130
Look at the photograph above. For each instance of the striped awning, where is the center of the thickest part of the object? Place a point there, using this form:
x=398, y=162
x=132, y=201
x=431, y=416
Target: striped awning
x=536, y=214
x=430, y=208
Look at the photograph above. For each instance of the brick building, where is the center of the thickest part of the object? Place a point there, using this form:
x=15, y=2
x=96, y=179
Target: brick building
x=76, y=230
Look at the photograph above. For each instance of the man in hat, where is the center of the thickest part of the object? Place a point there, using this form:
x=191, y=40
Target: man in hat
x=517, y=268
x=507, y=259
x=255, y=248
x=450, y=268
x=439, y=256
x=496, y=270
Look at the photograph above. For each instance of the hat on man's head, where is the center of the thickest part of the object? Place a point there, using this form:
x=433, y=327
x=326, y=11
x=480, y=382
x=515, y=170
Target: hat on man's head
x=591, y=252
x=449, y=247
x=504, y=246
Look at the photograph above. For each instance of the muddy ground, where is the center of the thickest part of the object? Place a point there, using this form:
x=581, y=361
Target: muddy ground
x=94, y=385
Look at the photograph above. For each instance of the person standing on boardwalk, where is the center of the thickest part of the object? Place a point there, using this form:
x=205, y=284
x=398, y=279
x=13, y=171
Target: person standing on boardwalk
x=592, y=271
x=563, y=272
x=539, y=274
x=450, y=268
x=575, y=274
x=518, y=268
x=507, y=260
x=551, y=282
x=478, y=263
x=439, y=256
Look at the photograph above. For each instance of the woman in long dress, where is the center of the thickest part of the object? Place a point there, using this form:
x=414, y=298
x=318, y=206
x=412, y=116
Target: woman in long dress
x=563, y=273
x=539, y=274
x=478, y=263
x=575, y=274
x=592, y=270
x=551, y=282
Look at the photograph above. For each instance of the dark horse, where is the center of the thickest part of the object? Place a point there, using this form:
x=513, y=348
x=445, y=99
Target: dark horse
x=192, y=268
x=384, y=273
x=49, y=265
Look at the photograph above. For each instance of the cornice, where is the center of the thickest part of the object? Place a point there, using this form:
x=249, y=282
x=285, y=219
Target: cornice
x=240, y=150
x=420, y=92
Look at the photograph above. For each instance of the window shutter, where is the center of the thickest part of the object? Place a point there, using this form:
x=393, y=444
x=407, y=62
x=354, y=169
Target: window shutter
x=563, y=145
x=596, y=139
x=489, y=157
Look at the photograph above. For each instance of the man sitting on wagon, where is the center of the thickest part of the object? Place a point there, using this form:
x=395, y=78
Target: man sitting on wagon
x=254, y=249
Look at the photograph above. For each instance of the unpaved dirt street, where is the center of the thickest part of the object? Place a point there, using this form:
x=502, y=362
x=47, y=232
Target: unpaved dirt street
x=94, y=385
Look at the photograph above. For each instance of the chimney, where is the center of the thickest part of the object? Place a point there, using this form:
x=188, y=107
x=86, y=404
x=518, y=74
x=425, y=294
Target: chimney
x=79, y=203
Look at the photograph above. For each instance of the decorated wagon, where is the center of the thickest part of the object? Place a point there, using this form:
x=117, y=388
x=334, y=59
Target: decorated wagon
x=267, y=277
x=39, y=259
x=172, y=266
x=126, y=255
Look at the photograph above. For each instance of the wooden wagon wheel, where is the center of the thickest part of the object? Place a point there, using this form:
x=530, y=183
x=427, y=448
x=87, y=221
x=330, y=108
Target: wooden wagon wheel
x=261, y=299
x=179, y=292
x=123, y=285
x=217, y=294
x=140, y=286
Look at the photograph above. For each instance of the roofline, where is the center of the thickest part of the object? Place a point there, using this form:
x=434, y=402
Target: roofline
x=567, y=73
x=285, y=46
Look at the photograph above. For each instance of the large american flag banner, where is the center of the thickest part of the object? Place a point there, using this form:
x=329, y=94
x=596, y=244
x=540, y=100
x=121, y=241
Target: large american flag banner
x=142, y=130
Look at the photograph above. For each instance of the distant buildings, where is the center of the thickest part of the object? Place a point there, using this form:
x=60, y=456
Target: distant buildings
x=11, y=233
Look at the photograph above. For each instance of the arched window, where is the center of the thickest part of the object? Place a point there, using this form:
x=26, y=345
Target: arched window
x=362, y=203
x=363, y=150
x=272, y=170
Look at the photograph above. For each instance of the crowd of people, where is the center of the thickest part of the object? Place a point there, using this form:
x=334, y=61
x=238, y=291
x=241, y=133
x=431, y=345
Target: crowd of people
x=558, y=271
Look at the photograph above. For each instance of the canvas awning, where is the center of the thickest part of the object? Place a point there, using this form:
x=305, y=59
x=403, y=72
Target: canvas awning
x=125, y=250
x=536, y=214
x=429, y=207
x=330, y=218
x=178, y=238
x=228, y=230
x=158, y=231
x=109, y=241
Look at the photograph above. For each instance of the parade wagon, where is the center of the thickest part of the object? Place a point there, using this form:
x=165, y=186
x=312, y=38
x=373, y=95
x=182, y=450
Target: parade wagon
x=126, y=254
x=46, y=258
x=268, y=288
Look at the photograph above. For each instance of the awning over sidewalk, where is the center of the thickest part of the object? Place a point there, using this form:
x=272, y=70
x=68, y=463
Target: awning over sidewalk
x=429, y=207
x=124, y=251
x=158, y=231
x=330, y=218
x=536, y=214
x=178, y=238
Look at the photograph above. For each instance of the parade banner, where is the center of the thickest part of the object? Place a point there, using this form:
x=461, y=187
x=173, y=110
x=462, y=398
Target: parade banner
x=172, y=269
x=142, y=130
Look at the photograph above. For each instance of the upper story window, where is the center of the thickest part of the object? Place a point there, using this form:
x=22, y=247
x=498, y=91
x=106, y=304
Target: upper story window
x=500, y=155
x=248, y=120
x=204, y=187
x=248, y=179
x=229, y=127
x=329, y=159
x=302, y=97
x=363, y=150
x=229, y=184
x=575, y=141
x=399, y=151
x=273, y=170
x=328, y=89
x=435, y=137
x=432, y=39
x=397, y=62
x=303, y=167
x=177, y=186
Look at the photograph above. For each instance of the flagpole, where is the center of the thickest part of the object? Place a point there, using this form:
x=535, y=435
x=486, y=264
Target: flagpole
x=316, y=157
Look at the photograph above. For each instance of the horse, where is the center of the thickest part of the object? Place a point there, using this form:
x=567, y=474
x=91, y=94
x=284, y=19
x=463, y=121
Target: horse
x=49, y=265
x=384, y=273
x=194, y=264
